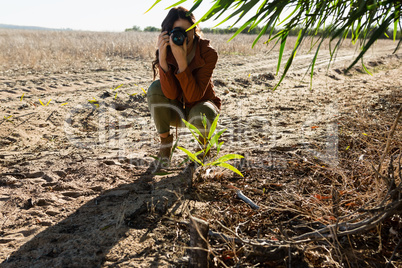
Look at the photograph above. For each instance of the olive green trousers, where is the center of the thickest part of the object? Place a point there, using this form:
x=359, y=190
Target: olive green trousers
x=167, y=112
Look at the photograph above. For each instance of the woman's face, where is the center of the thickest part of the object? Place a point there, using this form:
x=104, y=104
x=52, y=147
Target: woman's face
x=185, y=24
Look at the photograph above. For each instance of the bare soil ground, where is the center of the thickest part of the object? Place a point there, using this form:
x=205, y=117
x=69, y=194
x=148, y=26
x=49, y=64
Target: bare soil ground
x=77, y=190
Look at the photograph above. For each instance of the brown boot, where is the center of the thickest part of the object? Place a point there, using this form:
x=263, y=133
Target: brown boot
x=166, y=147
x=165, y=150
x=163, y=157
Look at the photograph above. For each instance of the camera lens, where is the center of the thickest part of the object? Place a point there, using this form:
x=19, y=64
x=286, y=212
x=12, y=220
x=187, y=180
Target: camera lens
x=178, y=36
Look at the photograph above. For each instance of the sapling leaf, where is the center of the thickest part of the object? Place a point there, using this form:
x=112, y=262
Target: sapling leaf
x=214, y=140
x=230, y=167
x=117, y=87
x=174, y=148
x=227, y=157
x=213, y=127
x=218, y=148
x=193, y=128
x=192, y=156
x=184, y=161
x=204, y=121
x=8, y=118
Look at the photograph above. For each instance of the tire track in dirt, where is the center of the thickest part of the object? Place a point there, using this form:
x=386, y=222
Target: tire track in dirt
x=65, y=83
x=301, y=63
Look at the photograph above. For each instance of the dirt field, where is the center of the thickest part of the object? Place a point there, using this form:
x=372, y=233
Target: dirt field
x=77, y=189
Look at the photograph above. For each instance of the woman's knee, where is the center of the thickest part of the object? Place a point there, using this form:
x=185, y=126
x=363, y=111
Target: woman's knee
x=197, y=112
x=155, y=89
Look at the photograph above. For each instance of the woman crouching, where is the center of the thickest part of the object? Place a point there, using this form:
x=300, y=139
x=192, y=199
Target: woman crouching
x=185, y=63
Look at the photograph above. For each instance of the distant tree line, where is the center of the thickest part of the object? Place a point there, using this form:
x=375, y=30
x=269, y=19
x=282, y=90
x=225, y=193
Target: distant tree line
x=256, y=30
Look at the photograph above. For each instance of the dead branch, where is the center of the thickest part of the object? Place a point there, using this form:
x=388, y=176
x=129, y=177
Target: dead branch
x=198, y=243
x=391, y=133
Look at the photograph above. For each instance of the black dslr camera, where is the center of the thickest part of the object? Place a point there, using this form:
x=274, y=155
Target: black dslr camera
x=178, y=36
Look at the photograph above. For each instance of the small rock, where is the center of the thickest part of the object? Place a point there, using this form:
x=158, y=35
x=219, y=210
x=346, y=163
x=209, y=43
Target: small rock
x=97, y=188
x=105, y=95
x=34, y=175
x=52, y=213
x=117, y=193
x=46, y=223
x=60, y=173
x=44, y=202
x=37, y=180
x=72, y=194
x=4, y=197
x=111, y=163
x=47, y=178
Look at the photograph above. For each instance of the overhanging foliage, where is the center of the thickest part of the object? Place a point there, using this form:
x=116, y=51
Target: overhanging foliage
x=366, y=21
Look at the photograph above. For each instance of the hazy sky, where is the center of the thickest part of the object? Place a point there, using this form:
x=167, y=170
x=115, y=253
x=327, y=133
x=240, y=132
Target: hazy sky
x=99, y=15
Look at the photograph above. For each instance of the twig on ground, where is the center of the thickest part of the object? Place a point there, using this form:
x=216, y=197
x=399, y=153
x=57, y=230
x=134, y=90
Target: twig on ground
x=247, y=200
x=393, y=253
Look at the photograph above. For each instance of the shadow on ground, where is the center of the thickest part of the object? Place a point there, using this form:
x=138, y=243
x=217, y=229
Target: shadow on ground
x=85, y=237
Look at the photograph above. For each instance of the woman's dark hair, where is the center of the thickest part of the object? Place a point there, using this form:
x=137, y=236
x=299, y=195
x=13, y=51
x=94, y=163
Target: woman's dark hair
x=174, y=14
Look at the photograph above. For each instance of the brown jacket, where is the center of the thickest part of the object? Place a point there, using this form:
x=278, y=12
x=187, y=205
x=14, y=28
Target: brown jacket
x=194, y=84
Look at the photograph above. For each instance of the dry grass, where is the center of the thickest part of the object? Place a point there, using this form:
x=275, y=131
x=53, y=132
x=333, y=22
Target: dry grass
x=57, y=51
x=313, y=209
x=60, y=51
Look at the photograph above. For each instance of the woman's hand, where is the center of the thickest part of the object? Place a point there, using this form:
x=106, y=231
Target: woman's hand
x=180, y=54
x=163, y=43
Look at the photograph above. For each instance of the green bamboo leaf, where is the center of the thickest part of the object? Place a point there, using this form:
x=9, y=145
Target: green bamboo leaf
x=194, y=7
x=281, y=50
x=377, y=33
x=290, y=60
x=240, y=29
x=243, y=10
x=364, y=67
x=291, y=14
x=397, y=46
x=262, y=5
x=176, y=4
x=273, y=19
x=192, y=156
x=157, y=1
x=230, y=167
x=205, y=16
x=313, y=64
x=395, y=28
